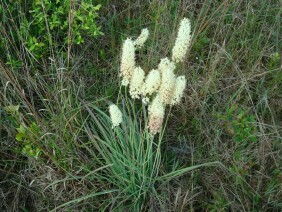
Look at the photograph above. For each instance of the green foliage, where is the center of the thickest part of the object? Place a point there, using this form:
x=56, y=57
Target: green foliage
x=274, y=186
x=274, y=79
x=44, y=24
x=202, y=41
x=220, y=203
x=13, y=62
x=274, y=60
x=131, y=155
x=13, y=115
x=228, y=18
x=26, y=135
x=240, y=124
x=60, y=15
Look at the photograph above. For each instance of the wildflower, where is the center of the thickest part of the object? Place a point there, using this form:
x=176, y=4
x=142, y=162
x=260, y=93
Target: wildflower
x=166, y=64
x=136, y=83
x=116, y=115
x=167, y=81
x=179, y=88
x=152, y=82
x=139, y=42
x=182, y=41
x=156, y=115
x=127, y=61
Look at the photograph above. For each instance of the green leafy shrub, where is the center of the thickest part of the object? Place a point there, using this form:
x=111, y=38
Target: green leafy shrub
x=26, y=135
x=51, y=23
x=239, y=124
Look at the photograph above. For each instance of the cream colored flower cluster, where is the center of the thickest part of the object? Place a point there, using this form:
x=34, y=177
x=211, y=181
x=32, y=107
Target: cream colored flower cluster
x=156, y=114
x=182, y=41
x=136, y=83
x=127, y=64
x=116, y=115
x=139, y=42
x=161, y=86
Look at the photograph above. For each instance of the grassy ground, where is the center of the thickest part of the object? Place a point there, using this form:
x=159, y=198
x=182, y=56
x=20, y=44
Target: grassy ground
x=231, y=112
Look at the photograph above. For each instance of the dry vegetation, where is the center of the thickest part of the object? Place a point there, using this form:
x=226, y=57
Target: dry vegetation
x=231, y=112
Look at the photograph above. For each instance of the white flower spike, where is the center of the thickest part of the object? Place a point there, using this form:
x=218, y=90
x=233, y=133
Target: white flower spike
x=156, y=115
x=139, y=42
x=136, y=83
x=182, y=41
x=168, y=80
x=152, y=82
x=180, y=85
x=165, y=63
x=116, y=115
x=127, y=65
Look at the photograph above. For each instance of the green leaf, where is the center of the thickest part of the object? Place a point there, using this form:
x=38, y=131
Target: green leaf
x=240, y=115
x=97, y=7
x=20, y=136
x=183, y=171
x=12, y=108
x=32, y=48
x=21, y=129
x=85, y=197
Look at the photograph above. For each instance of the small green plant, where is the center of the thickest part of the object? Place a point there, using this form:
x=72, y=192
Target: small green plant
x=239, y=124
x=274, y=60
x=219, y=203
x=14, y=63
x=26, y=135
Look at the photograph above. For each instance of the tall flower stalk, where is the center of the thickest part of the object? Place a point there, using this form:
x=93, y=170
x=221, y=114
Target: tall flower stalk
x=160, y=87
x=130, y=155
x=127, y=64
x=182, y=42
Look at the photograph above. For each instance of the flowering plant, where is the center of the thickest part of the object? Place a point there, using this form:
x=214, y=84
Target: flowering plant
x=161, y=86
x=128, y=149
